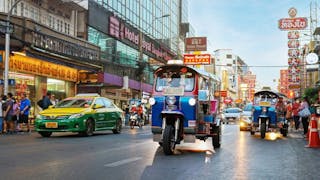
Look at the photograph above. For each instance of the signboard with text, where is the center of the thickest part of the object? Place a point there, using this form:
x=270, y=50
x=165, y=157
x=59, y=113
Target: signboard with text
x=196, y=44
x=196, y=59
x=298, y=23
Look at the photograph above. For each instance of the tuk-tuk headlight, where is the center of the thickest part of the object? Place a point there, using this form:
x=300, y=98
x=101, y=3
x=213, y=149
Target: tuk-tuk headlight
x=264, y=109
x=171, y=100
x=192, y=101
x=318, y=110
x=152, y=101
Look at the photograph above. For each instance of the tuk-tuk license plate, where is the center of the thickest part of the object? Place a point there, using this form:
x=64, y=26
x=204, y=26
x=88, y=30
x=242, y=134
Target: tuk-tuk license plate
x=264, y=104
x=51, y=125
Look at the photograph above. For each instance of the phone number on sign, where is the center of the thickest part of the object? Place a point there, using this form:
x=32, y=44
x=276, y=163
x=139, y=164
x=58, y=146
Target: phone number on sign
x=293, y=23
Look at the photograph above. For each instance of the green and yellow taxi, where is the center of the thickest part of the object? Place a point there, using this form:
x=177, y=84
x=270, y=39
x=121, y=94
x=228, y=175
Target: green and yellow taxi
x=84, y=114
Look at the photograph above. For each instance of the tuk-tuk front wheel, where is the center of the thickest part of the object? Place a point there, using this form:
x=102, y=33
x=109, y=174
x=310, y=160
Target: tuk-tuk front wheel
x=263, y=130
x=168, y=143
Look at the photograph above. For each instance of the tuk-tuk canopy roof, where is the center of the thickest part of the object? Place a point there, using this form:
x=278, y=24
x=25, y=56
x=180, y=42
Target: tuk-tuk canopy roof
x=272, y=94
x=199, y=71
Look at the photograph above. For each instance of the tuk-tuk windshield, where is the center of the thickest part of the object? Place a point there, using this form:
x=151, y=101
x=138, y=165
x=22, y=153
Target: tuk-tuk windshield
x=265, y=100
x=184, y=80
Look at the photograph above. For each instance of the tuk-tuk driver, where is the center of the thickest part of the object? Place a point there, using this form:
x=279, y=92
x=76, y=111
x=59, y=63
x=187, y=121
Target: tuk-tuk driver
x=280, y=107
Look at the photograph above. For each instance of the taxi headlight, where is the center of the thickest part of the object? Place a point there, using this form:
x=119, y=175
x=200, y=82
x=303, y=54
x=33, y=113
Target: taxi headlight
x=75, y=116
x=192, y=101
x=171, y=100
x=152, y=101
x=39, y=116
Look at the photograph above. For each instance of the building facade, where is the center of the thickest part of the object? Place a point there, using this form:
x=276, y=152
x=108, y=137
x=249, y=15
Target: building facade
x=109, y=47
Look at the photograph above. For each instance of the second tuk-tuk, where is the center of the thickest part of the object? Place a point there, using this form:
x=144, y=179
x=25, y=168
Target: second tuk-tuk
x=265, y=116
x=183, y=106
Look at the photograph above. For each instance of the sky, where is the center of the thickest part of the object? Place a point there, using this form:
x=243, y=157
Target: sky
x=250, y=29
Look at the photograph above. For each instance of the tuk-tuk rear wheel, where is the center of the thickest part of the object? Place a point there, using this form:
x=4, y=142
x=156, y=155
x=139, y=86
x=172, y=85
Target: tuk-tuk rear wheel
x=168, y=143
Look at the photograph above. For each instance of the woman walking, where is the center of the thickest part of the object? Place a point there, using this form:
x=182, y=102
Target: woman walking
x=305, y=120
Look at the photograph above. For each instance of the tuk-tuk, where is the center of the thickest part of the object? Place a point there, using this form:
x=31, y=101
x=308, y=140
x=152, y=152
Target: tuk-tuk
x=265, y=115
x=183, y=106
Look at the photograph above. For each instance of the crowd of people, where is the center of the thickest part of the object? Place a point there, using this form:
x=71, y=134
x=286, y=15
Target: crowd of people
x=15, y=111
x=290, y=110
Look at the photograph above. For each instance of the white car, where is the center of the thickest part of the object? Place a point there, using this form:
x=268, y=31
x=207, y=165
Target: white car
x=231, y=115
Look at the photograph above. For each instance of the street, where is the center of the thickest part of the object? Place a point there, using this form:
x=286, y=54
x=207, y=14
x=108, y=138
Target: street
x=133, y=155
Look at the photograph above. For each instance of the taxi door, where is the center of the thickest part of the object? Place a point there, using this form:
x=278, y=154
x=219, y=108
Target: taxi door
x=111, y=113
x=100, y=109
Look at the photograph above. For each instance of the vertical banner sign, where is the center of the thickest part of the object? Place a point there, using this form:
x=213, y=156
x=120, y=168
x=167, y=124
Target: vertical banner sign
x=293, y=25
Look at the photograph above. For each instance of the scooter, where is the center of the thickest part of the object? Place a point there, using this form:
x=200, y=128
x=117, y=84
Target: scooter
x=135, y=120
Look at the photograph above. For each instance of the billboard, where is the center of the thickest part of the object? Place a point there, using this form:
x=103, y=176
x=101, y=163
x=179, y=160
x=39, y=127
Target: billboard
x=196, y=44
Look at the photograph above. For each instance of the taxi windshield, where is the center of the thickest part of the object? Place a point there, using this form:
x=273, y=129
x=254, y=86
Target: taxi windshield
x=74, y=103
x=175, y=79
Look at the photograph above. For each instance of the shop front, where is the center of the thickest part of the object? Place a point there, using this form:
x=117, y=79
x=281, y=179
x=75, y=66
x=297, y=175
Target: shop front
x=36, y=77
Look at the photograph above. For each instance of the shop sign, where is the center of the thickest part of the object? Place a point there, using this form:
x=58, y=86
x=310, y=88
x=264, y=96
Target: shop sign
x=293, y=43
x=293, y=53
x=294, y=78
x=223, y=93
x=294, y=86
x=34, y=66
x=293, y=61
x=63, y=47
x=227, y=101
x=196, y=44
x=293, y=35
x=294, y=69
x=11, y=82
x=195, y=59
x=298, y=23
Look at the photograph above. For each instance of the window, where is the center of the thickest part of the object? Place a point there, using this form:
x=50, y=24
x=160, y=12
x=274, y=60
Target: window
x=229, y=56
x=99, y=103
x=108, y=103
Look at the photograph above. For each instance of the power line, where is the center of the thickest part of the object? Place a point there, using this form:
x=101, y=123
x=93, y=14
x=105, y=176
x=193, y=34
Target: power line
x=254, y=66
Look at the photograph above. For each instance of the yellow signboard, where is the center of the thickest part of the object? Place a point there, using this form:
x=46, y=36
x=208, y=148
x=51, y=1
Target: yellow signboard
x=43, y=68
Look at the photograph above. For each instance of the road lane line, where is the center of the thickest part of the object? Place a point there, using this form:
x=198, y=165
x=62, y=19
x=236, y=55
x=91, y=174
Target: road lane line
x=122, y=162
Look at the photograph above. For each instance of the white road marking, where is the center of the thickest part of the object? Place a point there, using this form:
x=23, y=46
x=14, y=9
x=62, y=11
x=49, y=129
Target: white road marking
x=122, y=162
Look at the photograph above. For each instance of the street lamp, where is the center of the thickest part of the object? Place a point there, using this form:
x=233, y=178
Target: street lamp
x=7, y=48
x=141, y=36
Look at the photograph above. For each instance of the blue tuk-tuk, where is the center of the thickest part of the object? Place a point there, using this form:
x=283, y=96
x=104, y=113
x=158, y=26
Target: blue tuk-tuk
x=183, y=106
x=265, y=116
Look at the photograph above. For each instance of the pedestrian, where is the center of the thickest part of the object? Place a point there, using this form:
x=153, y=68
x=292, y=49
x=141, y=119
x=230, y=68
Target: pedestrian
x=15, y=115
x=295, y=112
x=305, y=120
x=53, y=99
x=127, y=113
x=46, y=101
x=25, y=106
x=289, y=114
x=8, y=114
x=280, y=108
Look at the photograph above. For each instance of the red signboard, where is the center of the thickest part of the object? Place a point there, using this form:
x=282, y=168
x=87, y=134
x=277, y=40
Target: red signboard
x=293, y=43
x=196, y=59
x=223, y=93
x=196, y=44
x=293, y=23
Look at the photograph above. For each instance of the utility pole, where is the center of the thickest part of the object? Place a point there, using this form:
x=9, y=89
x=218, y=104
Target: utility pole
x=7, y=48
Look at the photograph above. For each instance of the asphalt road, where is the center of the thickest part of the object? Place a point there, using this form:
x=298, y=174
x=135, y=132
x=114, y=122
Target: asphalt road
x=133, y=155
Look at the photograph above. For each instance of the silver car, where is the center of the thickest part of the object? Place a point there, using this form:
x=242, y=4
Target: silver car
x=231, y=115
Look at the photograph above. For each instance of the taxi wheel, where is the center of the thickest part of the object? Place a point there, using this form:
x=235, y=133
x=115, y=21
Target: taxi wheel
x=45, y=134
x=89, y=129
x=117, y=130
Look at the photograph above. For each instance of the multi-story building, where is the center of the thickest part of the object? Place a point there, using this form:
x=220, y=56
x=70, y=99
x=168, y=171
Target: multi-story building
x=135, y=37
x=109, y=47
x=48, y=47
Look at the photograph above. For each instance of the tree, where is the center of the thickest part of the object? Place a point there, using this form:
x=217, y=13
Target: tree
x=311, y=94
